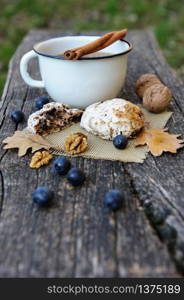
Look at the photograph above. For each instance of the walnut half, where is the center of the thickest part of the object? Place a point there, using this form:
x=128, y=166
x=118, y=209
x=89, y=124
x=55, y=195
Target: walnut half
x=76, y=143
x=40, y=158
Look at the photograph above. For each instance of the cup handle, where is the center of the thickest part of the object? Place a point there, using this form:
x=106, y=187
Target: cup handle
x=24, y=73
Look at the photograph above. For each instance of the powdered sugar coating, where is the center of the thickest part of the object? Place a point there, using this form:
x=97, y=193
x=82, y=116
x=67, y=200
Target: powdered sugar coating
x=110, y=118
x=38, y=116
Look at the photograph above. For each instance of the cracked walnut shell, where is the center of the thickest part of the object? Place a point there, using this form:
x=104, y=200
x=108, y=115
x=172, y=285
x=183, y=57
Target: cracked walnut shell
x=40, y=158
x=76, y=143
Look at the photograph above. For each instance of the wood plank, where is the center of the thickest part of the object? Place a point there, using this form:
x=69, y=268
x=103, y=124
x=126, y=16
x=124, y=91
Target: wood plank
x=76, y=236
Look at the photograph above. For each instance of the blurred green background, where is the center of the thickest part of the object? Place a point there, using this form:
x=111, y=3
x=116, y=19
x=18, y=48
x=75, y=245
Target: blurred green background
x=164, y=17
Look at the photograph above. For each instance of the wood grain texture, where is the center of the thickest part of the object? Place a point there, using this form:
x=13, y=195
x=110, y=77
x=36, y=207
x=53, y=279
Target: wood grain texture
x=76, y=236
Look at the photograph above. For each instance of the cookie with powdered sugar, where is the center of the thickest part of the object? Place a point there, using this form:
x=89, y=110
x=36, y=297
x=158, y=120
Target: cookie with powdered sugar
x=110, y=118
x=53, y=117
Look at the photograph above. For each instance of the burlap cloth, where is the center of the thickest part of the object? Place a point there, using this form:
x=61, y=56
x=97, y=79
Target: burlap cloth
x=102, y=149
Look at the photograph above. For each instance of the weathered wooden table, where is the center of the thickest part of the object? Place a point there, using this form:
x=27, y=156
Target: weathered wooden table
x=76, y=237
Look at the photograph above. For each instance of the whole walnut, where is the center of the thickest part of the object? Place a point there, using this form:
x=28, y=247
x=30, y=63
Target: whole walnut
x=144, y=82
x=157, y=97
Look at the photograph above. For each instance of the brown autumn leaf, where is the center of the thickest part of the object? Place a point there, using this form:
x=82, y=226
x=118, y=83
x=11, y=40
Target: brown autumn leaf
x=24, y=141
x=158, y=140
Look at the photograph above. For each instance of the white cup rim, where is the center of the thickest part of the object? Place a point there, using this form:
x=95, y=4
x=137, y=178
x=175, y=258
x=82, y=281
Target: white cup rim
x=130, y=47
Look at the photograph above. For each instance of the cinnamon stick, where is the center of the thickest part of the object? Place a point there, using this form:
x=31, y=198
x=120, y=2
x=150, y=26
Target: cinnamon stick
x=98, y=44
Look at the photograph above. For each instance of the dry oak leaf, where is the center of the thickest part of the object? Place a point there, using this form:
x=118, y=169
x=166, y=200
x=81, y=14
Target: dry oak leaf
x=24, y=141
x=40, y=158
x=158, y=140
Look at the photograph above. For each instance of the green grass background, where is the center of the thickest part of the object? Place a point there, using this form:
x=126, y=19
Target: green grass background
x=164, y=17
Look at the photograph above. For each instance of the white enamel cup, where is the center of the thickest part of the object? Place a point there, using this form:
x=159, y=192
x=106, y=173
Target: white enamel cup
x=81, y=82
